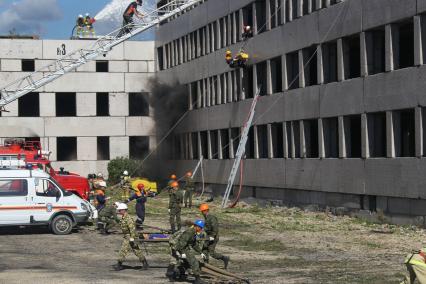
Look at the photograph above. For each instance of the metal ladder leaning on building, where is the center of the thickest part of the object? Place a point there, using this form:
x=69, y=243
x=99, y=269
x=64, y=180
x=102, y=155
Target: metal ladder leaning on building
x=102, y=46
x=241, y=149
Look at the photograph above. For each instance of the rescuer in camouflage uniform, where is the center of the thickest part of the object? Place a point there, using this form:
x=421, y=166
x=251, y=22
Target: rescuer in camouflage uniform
x=212, y=234
x=184, y=246
x=108, y=216
x=189, y=189
x=175, y=201
x=127, y=225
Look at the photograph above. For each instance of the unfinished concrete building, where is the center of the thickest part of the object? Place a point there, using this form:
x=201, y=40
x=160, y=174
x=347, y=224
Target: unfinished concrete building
x=86, y=117
x=342, y=107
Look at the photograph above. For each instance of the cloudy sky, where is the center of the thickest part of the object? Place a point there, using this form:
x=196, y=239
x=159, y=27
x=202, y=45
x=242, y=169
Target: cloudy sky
x=54, y=19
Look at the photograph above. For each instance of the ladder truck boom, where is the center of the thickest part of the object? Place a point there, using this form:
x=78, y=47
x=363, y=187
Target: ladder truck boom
x=102, y=46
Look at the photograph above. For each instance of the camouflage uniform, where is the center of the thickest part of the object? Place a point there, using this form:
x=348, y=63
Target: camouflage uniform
x=187, y=243
x=108, y=215
x=129, y=231
x=175, y=201
x=189, y=191
x=212, y=230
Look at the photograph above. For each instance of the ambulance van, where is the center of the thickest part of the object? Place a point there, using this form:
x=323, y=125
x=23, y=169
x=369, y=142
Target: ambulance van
x=31, y=197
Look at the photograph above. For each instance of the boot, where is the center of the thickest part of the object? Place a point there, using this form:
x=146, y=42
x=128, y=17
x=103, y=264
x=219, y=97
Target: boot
x=170, y=271
x=118, y=266
x=198, y=280
x=226, y=261
x=145, y=264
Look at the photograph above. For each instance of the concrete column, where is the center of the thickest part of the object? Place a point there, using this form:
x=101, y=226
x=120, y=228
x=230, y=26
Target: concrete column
x=299, y=12
x=363, y=50
x=118, y=147
x=302, y=139
x=240, y=77
x=198, y=45
x=290, y=10
x=418, y=54
x=418, y=130
x=320, y=66
x=85, y=104
x=204, y=92
x=268, y=15
x=189, y=96
x=180, y=50
x=218, y=35
x=301, y=69
x=256, y=142
x=254, y=28
x=208, y=39
x=208, y=93
x=390, y=141
x=191, y=147
x=52, y=146
x=225, y=32
x=200, y=150
x=231, y=145
x=318, y=4
x=234, y=29
x=240, y=25
x=212, y=37
x=225, y=89
x=193, y=38
x=292, y=144
x=213, y=92
x=181, y=155
x=365, y=151
x=234, y=83
x=270, y=144
x=310, y=7
x=388, y=49
x=230, y=87
x=342, y=137
x=284, y=72
x=340, y=61
x=229, y=33
x=268, y=78
x=327, y=3
x=188, y=48
x=321, y=151
x=209, y=145
x=285, y=141
x=219, y=90
x=255, y=87
x=47, y=104
x=219, y=145
x=199, y=94
x=282, y=4
x=164, y=58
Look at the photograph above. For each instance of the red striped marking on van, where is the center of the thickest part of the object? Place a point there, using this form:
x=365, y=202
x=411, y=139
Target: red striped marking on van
x=35, y=207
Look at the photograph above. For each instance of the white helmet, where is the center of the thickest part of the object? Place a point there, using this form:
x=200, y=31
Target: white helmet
x=87, y=14
x=122, y=206
x=125, y=173
x=102, y=184
x=117, y=204
x=80, y=16
x=100, y=175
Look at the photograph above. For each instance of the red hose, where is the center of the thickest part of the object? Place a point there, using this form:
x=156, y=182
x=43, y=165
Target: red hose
x=235, y=202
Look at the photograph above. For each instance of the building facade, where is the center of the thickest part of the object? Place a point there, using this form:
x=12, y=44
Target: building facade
x=87, y=117
x=342, y=109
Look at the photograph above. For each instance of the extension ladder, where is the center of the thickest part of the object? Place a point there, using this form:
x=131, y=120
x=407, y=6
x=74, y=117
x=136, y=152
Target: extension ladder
x=241, y=149
x=102, y=46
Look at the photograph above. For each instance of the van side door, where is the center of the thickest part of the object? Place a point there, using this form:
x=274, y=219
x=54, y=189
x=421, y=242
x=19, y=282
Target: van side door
x=15, y=206
x=45, y=199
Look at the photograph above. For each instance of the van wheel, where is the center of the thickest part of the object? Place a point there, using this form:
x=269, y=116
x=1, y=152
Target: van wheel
x=61, y=225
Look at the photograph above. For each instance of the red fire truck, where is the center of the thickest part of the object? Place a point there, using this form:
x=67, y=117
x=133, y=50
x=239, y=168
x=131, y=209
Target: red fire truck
x=32, y=153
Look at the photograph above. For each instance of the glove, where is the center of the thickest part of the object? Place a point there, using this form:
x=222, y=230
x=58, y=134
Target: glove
x=169, y=210
x=204, y=256
x=178, y=254
x=211, y=239
x=132, y=240
x=183, y=256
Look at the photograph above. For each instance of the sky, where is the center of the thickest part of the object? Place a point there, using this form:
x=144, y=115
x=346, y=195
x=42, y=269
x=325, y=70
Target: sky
x=55, y=19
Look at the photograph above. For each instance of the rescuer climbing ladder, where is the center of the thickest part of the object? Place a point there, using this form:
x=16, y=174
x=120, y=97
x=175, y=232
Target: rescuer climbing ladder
x=241, y=149
x=102, y=46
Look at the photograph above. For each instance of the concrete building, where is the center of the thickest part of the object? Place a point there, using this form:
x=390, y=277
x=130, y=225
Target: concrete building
x=87, y=117
x=342, y=107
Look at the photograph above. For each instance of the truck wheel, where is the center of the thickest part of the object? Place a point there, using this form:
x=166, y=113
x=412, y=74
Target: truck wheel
x=61, y=225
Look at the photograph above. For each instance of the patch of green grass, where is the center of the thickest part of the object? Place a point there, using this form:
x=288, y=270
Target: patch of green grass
x=250, y=244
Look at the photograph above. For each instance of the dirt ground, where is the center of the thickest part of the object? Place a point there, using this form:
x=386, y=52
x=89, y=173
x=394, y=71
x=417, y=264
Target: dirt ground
x=266, y=245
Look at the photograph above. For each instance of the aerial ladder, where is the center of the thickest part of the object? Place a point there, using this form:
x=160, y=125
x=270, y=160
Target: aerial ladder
x=102, y=46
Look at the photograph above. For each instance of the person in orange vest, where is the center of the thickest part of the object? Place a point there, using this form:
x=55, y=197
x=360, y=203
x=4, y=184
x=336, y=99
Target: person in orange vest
x=140, y=196
x=100, y=199
x=128, y=14
x=416, y=267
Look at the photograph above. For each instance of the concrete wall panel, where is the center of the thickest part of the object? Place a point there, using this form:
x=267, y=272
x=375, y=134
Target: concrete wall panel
x=342, y=98
x=21, y=48
x=88, y=82
x=86, y=104
x=380, y=12
x=140, y=126
x=47, y=104
x=86, y=148
x=11, y=65
x=136, y=82
x=118, y=147
x=85, y=126
x=118, y=104
x=22, y=127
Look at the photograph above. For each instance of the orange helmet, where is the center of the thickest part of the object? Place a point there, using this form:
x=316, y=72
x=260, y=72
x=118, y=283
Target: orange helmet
x=99, y=192
x=141, y=186
x=189, y=174
x=204, y=207
x=173, y=176
x=175, y=184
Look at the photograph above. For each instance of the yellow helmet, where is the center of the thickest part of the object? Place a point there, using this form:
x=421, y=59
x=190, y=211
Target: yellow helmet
x=228, y=52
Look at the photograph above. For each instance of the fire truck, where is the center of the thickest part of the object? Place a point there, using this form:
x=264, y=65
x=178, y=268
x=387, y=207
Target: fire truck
x=31, y=152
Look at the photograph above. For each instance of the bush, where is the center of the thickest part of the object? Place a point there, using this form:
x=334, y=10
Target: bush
x=117, y=166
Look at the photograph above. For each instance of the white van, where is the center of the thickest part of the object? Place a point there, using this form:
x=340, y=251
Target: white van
x=31, y=197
